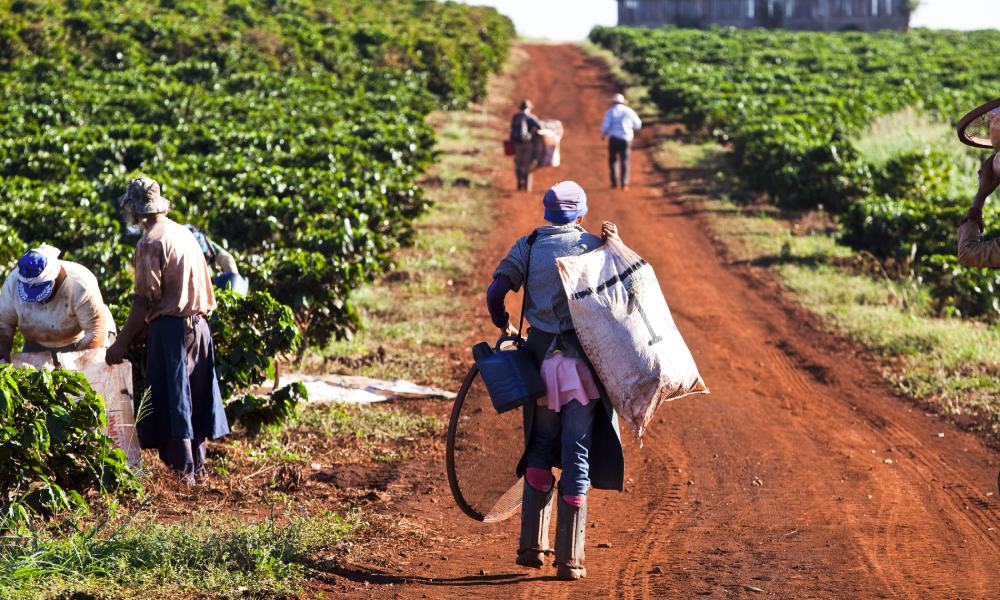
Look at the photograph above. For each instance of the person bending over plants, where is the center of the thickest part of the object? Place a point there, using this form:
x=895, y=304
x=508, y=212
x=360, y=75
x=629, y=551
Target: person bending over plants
x=56, y=305
x=173, y=299
x=575, y=426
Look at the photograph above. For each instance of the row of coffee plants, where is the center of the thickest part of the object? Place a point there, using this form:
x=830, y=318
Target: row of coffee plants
x=291, y=131
x=791, y=105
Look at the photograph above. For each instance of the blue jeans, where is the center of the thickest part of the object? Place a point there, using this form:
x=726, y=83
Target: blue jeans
x=565, y=435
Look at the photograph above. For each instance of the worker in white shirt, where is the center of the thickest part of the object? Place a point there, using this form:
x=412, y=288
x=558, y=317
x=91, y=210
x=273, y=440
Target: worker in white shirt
x=620, y=123
x=55, y=304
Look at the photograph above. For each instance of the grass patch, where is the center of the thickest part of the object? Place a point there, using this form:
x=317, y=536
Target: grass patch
x=378, y=423
x=203, y=557
x=950, y=362
x=912, y=130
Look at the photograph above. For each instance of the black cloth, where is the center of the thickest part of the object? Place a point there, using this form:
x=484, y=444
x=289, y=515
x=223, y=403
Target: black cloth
x=619, y=152
x=607, y=459
x=186, y=403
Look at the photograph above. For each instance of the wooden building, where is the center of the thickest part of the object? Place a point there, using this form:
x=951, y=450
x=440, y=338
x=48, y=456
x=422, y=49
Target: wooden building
x=820, y=15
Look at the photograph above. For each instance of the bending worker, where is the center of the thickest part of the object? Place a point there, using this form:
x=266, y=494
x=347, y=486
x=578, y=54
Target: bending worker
x=227, y=274
x=56, y=304
x=524, y=126
x=173, y=298
x=619, y=125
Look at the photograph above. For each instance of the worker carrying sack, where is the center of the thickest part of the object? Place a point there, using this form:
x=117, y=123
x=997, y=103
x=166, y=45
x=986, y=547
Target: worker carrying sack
x=625, y=327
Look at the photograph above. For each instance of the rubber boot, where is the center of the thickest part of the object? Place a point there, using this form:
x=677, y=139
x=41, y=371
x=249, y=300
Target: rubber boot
x=571, y=534
x=536, y=510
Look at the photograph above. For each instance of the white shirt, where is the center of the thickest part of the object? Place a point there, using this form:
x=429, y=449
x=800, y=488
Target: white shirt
x=620, y=122
x=76, y=313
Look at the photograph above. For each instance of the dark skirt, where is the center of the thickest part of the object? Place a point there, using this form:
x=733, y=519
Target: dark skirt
x=186, y=403
x=607, y=459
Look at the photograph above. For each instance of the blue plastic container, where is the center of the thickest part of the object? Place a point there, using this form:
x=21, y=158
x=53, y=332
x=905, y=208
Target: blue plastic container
x=511, y=376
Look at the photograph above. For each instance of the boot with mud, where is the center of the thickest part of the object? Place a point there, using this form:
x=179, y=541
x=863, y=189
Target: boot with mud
x=571, y=530
x=536, y=510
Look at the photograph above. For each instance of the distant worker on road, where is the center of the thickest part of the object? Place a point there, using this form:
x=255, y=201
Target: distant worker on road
x=56, y=305
x=524, y=126
x=173, y=299
x=222, y=262
x=619, y=126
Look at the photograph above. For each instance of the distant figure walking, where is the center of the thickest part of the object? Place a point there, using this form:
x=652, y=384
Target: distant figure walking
x=620, y=123
x=524, y=128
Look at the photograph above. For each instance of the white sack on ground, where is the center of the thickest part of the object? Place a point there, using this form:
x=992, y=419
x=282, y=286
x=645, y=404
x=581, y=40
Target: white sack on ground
x=113, y=383
x=354, y=389
x=625, y=327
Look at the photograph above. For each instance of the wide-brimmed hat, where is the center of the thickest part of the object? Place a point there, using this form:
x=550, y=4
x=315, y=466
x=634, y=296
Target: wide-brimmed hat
x=564, y=202
x=143, y=196
x=618, y=99
x=37, y=272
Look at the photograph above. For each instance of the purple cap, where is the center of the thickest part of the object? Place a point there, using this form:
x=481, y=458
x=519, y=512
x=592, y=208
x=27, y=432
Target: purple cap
x=564, y=202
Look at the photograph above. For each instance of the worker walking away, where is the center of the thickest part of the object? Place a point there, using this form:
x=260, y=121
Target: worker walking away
x=55, y=304
x=524, y=128
x=173, y=299
x=227, y=274
x=574, y=427
x=618, y=127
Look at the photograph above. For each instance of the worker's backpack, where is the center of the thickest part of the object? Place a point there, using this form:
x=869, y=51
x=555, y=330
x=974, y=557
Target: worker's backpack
x=520, y=131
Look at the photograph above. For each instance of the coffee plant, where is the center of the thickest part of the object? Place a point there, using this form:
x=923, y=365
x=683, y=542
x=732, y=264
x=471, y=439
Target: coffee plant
x=52, y=451
x=791, y=105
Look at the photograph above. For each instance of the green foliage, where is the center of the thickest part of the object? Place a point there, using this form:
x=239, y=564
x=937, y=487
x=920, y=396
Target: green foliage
x=796, y=106
x=203, y=557
x=961, y=290
x=250, y=332
x=256, y=413
x=293, y=131
x=52, y=450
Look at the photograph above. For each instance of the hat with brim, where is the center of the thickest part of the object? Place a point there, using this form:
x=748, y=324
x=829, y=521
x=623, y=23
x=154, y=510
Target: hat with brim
x=37, y=272
x=974, y=129
x=143, y=196
x=618, y=99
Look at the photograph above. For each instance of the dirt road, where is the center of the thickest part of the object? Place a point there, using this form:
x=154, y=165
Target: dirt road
x=800, y=476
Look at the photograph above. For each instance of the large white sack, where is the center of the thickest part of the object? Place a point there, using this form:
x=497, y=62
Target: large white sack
x=626, y=329
x=112, y=382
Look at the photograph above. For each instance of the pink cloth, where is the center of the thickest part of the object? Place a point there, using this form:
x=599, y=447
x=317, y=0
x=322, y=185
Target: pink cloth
x=567, y=379
x=540, y=479
x=576, y=501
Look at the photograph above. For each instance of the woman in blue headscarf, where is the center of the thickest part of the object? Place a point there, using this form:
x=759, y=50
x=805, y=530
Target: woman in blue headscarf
x=574, y=427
